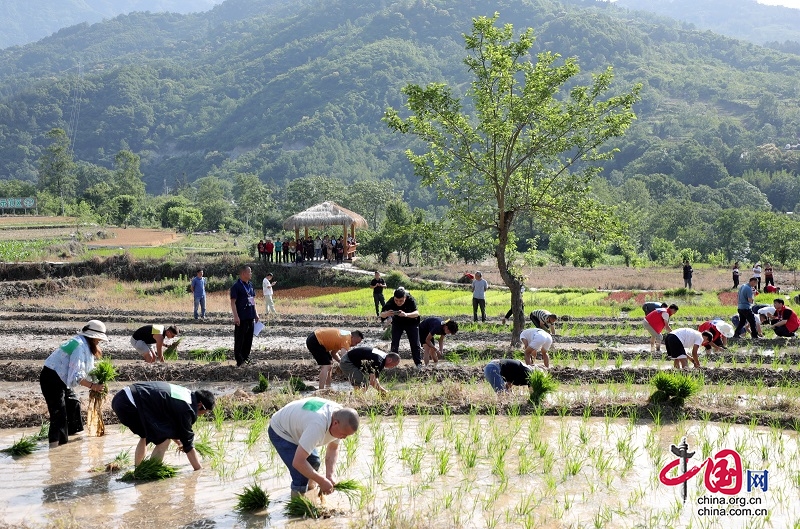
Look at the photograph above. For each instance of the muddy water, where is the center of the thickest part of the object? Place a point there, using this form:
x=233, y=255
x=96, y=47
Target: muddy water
x=555, y=472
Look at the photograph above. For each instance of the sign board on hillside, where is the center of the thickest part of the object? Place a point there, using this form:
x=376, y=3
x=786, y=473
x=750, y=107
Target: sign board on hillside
x=18, y=203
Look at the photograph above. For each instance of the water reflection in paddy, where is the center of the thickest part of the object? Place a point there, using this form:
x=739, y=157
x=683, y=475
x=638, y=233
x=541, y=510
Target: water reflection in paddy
x=437, y=471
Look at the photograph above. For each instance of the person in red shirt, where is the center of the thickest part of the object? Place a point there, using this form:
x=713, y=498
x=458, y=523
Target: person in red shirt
x=656, y=322
x=269, y=247
x=785, y=322
x=772, y=289
x=719, y=333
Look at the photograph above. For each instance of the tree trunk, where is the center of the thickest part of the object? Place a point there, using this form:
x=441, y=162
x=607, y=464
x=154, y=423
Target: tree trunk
x=513, y=282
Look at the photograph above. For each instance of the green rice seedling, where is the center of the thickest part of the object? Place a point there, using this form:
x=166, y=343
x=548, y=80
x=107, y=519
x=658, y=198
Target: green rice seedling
x=350, y=488
x=572, y=466
x=150, y=470
x=296, y=385
x=540, y=384
x=103, y=371
x=218, y=415
x=655, y=413
x=379, y=454
x=252, y=499
x=618, y=361
x=413, y=458
x=263, y=384
x=674, y=388
x=122, y=460
x=302, y=507
x=470, y=456
x=442, y=461
x=583, y=434
x=25, y=446
x=44, y=431
x=171, y=352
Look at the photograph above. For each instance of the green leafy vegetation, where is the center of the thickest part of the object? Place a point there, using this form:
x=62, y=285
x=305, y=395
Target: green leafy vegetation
x=263, y=384
x=674, y=388
x=25, y=446
x=171, y=351
x=301, y=507
x=540, y=384
x=103, y=372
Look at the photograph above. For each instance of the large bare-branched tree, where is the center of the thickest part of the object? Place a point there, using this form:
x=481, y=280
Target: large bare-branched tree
x=525, y=147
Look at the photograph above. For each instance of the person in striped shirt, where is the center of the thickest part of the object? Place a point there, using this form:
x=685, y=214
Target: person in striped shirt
x=544, y=320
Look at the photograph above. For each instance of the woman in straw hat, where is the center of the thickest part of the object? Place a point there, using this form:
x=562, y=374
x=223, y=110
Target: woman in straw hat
x=67, y=367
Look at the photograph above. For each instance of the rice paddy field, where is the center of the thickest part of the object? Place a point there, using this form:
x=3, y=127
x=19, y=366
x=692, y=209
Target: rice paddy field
x=441, y=449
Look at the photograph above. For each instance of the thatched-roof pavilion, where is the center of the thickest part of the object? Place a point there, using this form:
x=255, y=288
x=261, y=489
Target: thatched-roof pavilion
x=324, y=215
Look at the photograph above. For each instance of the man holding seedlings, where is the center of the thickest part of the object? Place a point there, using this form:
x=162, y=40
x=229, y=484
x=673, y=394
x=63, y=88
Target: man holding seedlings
x=656, y=322
x=678, y=340
x=428, y=330
x=479, y=288
x=327, y=345
x=159, y=412
x=785, y=321
x=506, y=373
x=536, y=342
x=302, y=426
x=198, y=287
x=245, y=315
x=149, y=341
x=363, y=364
x=745, y=301
x=402, y=308
x=544, y=320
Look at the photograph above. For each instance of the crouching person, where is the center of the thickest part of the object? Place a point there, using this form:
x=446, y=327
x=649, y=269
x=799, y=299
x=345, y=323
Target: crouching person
x=159, y=412
x=362, y=365
x=302, y=426
x=679, y=340
x=506, y=373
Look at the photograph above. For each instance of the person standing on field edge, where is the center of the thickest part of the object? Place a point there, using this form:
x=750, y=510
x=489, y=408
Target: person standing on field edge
x=479, y=288
x=266, y=287
x=736, y=275
x=377, y=285
x=269, y=247
x=245, y=314
x=757, y=275
x=198, y=287
x=769, y=278
x=744, y=308
x=687, y=274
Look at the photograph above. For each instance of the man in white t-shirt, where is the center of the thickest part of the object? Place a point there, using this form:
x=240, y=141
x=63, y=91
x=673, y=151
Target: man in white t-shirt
x=479, y=288
x=536, y=342
x=302, y=426
x=681, y=339
x=266, y=287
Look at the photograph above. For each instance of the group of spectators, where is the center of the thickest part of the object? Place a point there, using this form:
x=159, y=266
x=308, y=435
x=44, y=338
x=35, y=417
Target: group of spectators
x=327, y=248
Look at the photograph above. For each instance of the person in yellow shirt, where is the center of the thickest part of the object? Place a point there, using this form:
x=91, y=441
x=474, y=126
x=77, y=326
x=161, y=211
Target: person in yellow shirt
x=327, y=345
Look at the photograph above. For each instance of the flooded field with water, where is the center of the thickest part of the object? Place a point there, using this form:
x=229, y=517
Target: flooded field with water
x=492, y=471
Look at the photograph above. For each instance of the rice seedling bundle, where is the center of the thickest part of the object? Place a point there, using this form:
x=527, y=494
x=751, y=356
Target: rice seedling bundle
x=203, y=448
x=302, y=507
x=44, y=431
x=150, y=470
x=251, y=499
x=350, y=488
x=102, y=373
x=171, y=352
x=263, y=384
x=540, y=384
x=25, y=446
x=296, y=385
x=674, y=388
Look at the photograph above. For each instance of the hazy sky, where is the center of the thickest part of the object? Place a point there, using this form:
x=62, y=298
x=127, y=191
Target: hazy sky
x=788, y=3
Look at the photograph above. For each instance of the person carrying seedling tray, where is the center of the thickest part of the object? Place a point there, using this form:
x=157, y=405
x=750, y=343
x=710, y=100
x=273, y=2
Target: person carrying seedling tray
x=149, y=341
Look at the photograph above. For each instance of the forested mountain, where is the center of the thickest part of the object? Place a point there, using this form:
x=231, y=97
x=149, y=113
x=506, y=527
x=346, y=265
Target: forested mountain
x=741, y=19
x=24, y=21
x=296, y=90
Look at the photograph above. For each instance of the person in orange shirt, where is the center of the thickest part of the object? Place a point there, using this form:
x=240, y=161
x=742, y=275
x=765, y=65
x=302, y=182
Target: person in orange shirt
x=329, y=344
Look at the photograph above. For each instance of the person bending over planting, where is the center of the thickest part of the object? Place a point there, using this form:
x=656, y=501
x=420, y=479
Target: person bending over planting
x=298, y=429
x=536, y=342
x=720, y=331
x=679, y=340
x=159, y=412
x=506, y=373
x=149, y=341
x=327, y=345
x=545, y=320
x=656, y=322
x=362, y=365
x=428, y=330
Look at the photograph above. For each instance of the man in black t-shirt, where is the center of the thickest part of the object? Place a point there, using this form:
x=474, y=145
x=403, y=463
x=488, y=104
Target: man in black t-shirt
x=377, y=285
x=402, y=308
x=149, y=341
x=363, y=364
x=505, y=373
